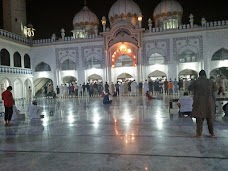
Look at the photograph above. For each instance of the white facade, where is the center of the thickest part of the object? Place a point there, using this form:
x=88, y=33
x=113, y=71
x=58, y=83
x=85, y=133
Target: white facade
x=143, y=52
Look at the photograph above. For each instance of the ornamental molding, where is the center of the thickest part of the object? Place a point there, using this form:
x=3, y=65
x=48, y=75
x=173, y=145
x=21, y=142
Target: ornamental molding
x=89, y=51
x=67, y=53
x=194, y=42
x=153, y=45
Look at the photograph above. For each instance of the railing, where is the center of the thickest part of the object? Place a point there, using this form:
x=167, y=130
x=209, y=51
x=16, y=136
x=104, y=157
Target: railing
x=12, y=70
x=66, y=39
x=184, y=27
x=15, y=37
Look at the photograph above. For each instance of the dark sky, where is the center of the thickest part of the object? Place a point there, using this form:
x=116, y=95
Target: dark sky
x=48, y=16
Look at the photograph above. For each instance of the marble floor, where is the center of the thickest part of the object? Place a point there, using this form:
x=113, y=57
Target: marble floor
x=131, y=134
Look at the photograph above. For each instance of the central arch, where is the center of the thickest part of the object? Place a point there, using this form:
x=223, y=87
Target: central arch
x=69, y=79
x=156, y=74
x=94, y=77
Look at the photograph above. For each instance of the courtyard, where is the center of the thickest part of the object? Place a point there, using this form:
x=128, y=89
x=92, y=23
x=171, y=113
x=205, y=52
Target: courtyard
x=130, y=134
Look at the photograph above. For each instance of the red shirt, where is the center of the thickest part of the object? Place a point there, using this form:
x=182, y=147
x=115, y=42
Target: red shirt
x=8, y=98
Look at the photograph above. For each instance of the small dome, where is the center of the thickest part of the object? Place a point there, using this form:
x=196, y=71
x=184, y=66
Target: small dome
x=168, y=8
x=85, y=17
x=123, y=10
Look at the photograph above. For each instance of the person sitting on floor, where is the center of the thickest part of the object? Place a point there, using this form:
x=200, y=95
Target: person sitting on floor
x=34, y=111
x=106, y=99
x=148, y=95
x=185, y=105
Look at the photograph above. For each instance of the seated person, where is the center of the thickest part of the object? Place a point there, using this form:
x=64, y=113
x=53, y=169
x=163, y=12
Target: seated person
x=106, y=99
x=185, y=104
x=225, y=109
x=148, y=95
x=34, y=111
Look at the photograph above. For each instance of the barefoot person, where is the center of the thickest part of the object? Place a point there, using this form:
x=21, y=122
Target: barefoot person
x=7, y=97
x=203, y=104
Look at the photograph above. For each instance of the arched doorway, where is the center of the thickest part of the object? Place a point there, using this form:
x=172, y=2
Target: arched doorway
x=18, y=89
x=157, y=74
x=188, y=74
x=4, y=84
x=125, y=77
x=94, y=78
x=28, y=84
x=223, y=71
x=68, y=79
x=41, y=84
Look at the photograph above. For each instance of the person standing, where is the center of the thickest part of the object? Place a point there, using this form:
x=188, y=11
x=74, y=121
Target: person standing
x=166, y=86
x=117, y=86
x=203, y=104
x=7, y=97
x=29, y=96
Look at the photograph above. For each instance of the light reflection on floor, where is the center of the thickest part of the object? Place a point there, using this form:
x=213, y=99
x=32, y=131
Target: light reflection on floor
x=130, y=134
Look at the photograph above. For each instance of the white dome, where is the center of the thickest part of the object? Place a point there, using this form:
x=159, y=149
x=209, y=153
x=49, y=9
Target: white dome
x=123, y=9
x=85, y=17
x=168, y=8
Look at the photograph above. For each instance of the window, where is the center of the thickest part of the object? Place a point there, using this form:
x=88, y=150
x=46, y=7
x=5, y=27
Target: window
x=68, y=65
x=170, y=24
x=221, y=54
x=27, y=62
x=93, y=63
x=17, y=59
x=5, y=57
x=188, y=56
x=42, y=67
x=124, y=61
x=156, y=58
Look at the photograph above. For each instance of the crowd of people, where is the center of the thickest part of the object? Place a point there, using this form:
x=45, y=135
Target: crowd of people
x=201, y=106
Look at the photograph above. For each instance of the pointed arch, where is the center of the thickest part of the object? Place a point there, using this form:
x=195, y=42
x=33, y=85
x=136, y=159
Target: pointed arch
x=68, y=64
x=188, y=54
x=18, y=88
x=93, y=61
x=17, y=59
x=5, y=57
x=188, y=73
x=94, y=77
x=27, y=61
x=157, y=74
x=221, y=54
x=42, y=67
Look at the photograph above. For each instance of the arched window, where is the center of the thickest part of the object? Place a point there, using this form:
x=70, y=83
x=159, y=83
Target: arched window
x=170, y=24
x=27, y=62
x=93, y=63
x=221, y=54
x=188, y=56
x=42, y=67
x=124, y=61
x=5, y=57
x=17, y=59
x=68, y=65
x=156, y=58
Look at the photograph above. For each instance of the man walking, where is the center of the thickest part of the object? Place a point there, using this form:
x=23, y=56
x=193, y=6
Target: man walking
x=203, y=104
x=7, y=97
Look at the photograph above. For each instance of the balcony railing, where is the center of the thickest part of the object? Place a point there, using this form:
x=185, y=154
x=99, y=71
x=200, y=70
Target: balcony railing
x=12, y=70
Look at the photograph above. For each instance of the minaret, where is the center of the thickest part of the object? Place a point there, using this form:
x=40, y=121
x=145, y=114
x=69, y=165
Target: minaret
x=14, y=16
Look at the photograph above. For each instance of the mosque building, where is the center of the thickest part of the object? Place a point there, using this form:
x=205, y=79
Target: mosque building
x=167, y=48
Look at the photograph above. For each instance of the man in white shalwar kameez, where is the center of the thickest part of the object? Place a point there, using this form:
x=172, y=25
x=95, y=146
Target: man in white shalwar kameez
x=35, y=111
x=145, y=87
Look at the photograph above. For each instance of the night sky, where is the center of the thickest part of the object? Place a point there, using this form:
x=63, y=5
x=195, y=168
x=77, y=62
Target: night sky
x=48, y=16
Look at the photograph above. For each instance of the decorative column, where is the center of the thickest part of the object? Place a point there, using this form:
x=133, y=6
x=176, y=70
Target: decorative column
x=63, y=33
x=203, y=22
x=140, y=20
x=139, y=66
x=150, y=24
x=191, y=17
x=103, y=21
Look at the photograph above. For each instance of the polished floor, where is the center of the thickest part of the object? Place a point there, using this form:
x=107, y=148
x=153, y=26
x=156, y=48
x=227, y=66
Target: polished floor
x=131, y=134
